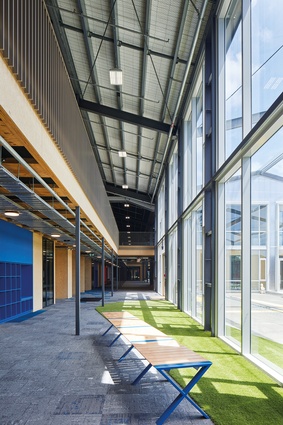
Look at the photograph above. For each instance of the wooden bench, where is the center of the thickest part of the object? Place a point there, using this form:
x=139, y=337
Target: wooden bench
x=161, y=352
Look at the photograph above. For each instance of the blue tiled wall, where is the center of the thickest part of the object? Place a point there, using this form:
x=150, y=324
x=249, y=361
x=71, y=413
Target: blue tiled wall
x=16, y=282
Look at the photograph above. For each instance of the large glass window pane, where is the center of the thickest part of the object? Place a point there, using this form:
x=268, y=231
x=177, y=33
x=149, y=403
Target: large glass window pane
x=161, y=239
x=172, y=281
x=199, y=266
x=187, y=262
x=161, y=212
x=161, y=268
x=173, y=188
x=233, y=77
x=267, y=253
x=193, y=264
x=187, y=164
x=199, y=138
x=233, y=258
x=267, y=55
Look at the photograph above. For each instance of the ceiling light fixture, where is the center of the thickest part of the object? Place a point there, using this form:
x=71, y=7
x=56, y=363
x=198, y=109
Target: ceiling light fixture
x=124, y=186
x=122, y=154
x=126, y=205
x=55, y=235
x=116, y=76
x=11, y=213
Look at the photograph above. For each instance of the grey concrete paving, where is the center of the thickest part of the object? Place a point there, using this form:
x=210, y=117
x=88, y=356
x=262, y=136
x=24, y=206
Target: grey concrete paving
x=48, y=375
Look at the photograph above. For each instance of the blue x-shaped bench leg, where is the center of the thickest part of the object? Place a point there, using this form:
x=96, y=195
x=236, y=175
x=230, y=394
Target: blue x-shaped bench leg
x=126, y=353
x=183, y=393
x=202, y=368
x=115, y=339
x=107, y=330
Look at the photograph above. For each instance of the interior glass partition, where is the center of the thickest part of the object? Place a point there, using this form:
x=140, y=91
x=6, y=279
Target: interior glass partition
x=233, y=239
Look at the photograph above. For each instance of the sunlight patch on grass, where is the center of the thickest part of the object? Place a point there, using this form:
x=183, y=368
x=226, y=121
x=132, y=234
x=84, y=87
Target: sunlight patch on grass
x=241, y=390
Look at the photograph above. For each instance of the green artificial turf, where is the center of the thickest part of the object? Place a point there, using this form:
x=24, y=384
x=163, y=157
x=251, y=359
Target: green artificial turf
x=233, y=391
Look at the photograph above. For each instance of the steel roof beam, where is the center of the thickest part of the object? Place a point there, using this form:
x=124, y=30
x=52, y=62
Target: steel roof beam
x=124, y=199
x=121, y=43
x=130, y=195
x=128, y=117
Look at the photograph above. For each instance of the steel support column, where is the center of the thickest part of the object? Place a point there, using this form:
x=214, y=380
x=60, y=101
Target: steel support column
x=117, y=273
x=78, y=270
x=103, y=273
x=180, y=229
x=112, y=274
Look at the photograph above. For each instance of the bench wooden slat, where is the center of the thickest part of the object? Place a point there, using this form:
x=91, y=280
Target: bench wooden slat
x=160, y=339
x=119, y=315
x=128, y=323
x=145, y=330
x=168, y=354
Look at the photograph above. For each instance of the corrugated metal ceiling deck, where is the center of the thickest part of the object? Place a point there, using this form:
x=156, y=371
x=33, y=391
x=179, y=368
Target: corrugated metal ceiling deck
x=152, y=42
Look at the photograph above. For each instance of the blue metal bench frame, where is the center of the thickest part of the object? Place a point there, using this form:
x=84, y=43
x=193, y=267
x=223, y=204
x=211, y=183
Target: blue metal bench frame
x=201, y=366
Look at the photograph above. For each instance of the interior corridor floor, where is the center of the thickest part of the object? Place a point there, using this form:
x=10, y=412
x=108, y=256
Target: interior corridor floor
x=48, y=375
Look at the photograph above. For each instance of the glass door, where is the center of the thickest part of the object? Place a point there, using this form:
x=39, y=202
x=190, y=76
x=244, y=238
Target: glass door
x=48, y=272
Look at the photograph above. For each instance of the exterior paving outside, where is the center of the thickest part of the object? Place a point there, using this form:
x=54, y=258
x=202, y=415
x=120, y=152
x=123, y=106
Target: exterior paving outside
x=48, y=375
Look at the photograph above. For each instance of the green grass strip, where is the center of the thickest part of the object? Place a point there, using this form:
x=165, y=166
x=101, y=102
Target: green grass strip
x=233, y=391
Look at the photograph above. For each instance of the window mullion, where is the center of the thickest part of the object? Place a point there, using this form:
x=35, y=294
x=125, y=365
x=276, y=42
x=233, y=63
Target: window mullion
x=246, y=68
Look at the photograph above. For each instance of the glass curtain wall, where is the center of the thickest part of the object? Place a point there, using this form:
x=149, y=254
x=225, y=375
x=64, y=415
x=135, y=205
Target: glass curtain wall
x=198, y=258
x=193, y=161
x=266, y=253
x=199, y=137
x=173, y=188
x=187, y=164
x=187, y=264
x=267, y=55
x=173, y=266
x=251, y=55
x=193, y=264
x=161, y=240
x=193, y=165
x=233, y=77
x=172, y=281
x=233, y=239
